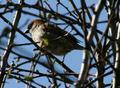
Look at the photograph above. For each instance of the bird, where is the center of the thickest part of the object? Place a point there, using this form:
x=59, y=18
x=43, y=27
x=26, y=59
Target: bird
x=52, y=38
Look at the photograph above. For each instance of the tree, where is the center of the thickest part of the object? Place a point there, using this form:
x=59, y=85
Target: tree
x=95, y=24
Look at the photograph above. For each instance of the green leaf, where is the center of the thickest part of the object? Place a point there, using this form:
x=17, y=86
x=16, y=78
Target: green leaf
x=45, y=41
x=28, y=78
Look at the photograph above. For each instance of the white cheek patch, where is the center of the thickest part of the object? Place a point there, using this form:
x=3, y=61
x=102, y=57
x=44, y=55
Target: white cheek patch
x=37, y=33
x=40, y=29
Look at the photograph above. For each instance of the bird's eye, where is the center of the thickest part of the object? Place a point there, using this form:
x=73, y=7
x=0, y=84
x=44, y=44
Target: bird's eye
x=30, y=25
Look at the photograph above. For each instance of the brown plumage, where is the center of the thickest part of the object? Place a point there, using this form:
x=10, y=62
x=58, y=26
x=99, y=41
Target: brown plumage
x=52, y=38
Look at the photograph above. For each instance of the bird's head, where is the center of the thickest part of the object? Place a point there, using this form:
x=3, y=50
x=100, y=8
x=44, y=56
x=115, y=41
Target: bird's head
x=35, y=24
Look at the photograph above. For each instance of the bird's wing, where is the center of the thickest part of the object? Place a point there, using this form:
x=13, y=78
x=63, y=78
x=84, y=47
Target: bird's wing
x=58, y=33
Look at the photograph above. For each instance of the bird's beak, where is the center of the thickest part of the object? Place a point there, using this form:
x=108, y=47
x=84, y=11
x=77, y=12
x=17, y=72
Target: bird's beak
x=26, y=31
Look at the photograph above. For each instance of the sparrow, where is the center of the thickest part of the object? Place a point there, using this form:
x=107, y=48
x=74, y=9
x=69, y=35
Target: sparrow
x=52, y=38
